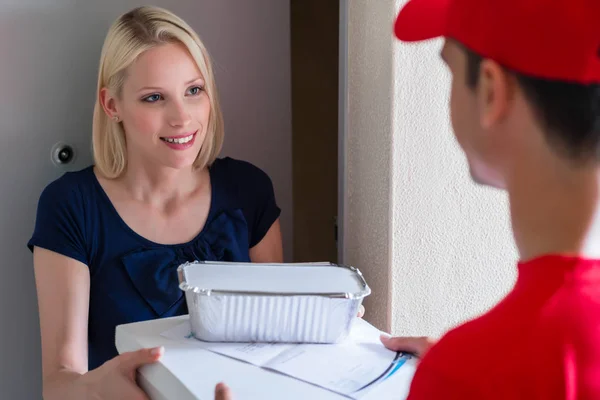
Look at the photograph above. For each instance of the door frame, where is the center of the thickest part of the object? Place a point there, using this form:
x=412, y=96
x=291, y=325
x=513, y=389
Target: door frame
x=342, y=124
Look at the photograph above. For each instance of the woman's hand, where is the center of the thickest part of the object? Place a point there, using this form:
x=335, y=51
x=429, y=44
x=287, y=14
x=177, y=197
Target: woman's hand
x=115, y=379
x=361, y=311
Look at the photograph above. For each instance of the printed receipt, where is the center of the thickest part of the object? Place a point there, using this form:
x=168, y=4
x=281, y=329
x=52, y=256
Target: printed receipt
x=345, y=368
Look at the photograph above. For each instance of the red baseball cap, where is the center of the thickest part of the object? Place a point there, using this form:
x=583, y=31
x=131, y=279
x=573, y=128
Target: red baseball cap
x=551, y=39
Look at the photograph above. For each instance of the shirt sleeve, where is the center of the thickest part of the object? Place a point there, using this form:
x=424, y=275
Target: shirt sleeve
x=261, y=209
x=59, y=223
x=253, y=192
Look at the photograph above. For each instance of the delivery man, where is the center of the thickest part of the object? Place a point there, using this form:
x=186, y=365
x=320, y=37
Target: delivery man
x=525, y=109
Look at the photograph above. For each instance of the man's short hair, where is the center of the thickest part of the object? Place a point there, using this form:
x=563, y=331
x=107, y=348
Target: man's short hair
x=569, y=113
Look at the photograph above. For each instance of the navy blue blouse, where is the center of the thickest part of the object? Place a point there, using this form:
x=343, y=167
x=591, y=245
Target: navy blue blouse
x=132, y=278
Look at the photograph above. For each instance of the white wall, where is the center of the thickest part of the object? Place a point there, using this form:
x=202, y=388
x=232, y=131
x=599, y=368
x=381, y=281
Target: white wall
x=49, y=52
x=435, y=247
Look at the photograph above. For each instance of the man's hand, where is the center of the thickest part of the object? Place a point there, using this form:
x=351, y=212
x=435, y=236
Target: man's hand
x=222, y=392
x=416, y=345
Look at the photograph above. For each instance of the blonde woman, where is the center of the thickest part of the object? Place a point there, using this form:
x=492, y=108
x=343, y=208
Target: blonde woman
x=108, y=239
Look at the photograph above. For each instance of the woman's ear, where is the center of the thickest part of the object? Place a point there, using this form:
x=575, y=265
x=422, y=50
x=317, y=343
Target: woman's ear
x=108, y=103
x=495, y=92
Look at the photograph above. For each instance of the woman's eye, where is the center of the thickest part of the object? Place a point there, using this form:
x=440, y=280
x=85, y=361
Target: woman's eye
x=152, y=98
x=195, y=90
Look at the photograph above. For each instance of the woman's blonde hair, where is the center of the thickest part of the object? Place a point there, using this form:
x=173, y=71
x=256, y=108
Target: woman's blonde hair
x=130, y=35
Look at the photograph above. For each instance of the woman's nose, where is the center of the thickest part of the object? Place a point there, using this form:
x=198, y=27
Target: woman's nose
x=179, y=115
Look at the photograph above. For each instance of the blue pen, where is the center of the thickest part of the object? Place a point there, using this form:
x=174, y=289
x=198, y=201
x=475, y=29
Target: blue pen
x=400, y=359
x=398, y=362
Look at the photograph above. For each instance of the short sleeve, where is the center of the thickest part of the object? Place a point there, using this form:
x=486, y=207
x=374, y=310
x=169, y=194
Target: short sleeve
x=250, y=189
x=265, y=211
x=59, y=223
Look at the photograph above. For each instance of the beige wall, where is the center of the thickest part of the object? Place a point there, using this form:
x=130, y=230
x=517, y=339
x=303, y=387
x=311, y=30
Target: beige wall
x=435, y=248
x=367, y=155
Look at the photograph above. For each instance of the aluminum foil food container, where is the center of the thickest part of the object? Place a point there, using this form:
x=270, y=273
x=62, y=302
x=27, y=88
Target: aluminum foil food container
x=288, y=302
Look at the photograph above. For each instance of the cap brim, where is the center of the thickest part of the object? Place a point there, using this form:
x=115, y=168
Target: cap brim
x=421, y=20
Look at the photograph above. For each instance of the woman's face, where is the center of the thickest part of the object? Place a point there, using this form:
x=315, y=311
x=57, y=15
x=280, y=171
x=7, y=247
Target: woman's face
x=163, y=107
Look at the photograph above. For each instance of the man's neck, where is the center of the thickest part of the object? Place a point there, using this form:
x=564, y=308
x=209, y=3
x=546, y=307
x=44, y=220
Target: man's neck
x=556, y=210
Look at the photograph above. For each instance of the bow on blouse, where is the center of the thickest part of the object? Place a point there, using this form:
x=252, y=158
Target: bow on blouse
x=153, y=271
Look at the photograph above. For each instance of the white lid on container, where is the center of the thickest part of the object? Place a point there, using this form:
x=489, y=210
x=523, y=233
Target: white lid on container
x=286, y=278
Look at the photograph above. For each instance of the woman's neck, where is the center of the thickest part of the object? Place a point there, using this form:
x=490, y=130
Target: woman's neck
x=161, y=185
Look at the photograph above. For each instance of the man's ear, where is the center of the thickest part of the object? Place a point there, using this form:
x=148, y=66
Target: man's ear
x=495, y=92
x=109, y=104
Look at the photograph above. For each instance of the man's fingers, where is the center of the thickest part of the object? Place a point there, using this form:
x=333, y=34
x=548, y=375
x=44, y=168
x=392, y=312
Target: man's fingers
x=135, y=359
x=222, y=392
x=416, y=345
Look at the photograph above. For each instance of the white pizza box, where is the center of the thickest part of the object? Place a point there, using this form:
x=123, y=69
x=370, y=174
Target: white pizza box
x=187, y=372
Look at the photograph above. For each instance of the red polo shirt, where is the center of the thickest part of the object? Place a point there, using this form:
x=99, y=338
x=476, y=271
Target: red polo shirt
x=541, y=342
